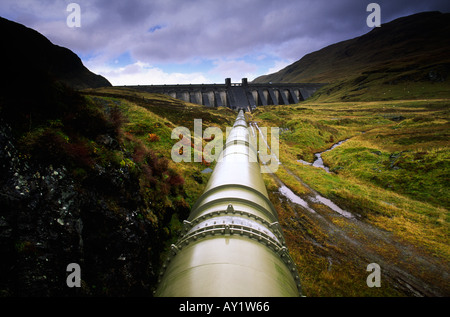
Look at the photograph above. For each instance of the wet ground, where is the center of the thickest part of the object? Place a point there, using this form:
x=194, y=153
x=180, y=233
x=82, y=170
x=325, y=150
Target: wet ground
x=318, y=161
x=318, y=231
x=340, y=237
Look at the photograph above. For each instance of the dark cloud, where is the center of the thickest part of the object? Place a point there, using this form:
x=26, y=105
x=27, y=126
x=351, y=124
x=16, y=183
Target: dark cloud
x=180, y=31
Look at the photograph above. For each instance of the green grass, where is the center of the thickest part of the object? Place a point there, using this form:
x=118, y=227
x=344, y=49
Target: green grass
x=326, y=269
x=379, y=87
x=394, y=171
x=148, y=114
x=158, y=114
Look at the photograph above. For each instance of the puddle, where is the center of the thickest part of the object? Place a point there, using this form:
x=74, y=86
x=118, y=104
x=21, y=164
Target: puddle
x=314, y=198
x=289, y=194
x=332, y=206
x=318, y=162
x=207, y=171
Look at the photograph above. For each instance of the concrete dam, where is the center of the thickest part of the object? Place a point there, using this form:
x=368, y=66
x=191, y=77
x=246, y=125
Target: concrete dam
x=243, y=95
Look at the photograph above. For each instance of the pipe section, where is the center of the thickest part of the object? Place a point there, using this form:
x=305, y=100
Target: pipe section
x=232, y=244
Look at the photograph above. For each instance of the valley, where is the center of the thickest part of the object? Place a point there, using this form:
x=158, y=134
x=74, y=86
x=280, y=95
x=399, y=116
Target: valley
x=367, y=208
x=363, y=175
x=393, y=193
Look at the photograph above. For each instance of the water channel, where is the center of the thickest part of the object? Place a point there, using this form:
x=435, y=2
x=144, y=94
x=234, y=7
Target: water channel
x=318, y=162
x=316, y=197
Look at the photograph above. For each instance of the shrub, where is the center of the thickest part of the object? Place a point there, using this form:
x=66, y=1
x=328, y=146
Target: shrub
x=159, y=165
x=148, y=175
x=79, y=154
x=152, y=137
x=140, y=153
x=53, y=146
x=117, y=119
x=175, y=180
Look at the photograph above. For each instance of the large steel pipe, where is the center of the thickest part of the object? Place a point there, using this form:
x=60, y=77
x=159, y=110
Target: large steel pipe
x=232, y=244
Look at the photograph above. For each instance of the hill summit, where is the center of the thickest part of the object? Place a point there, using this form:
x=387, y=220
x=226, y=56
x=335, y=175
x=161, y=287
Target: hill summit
x=413, y=50
x=26, y=54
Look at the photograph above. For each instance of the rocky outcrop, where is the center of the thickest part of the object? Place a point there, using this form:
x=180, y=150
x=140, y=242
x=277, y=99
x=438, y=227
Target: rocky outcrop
x=71, y=191
x=49, y=218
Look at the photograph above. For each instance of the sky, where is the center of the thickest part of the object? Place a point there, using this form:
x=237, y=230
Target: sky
x=144, y=42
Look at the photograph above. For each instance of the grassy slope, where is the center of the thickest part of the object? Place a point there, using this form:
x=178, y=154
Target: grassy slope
x=403, y=59
x=387, y=156
x=393, y=172
x=379, y=197
x=114, y=146
x=158, y=114
x=149, y=119
x=403, y=160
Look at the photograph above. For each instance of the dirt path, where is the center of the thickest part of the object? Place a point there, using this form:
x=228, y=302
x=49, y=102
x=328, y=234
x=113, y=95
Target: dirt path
x=317, y=225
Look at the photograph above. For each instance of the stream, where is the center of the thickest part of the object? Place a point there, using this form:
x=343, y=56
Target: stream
x=316, y=198
x=294, y=198
x=318, y=162
x=313, y=198
x=344, y=239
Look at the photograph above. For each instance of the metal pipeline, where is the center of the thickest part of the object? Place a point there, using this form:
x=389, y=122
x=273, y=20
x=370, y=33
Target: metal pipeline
x=232, y=244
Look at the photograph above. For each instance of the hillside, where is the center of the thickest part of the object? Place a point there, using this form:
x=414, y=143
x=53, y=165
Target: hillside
x=92, y=183
x=405, y=58
x=26, y=52
x=383, y=199
x=86, y=178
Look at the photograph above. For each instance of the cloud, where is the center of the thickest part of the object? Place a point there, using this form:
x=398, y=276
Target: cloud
x=219, y=33
x=234, y=69
x=279, y=65
x=140, y=73
x=192, y=29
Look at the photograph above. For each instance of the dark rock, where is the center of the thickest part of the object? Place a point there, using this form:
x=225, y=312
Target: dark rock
x=49, y=219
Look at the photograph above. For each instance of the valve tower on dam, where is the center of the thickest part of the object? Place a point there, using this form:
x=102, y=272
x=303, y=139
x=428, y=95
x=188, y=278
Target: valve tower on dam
x=237, y=95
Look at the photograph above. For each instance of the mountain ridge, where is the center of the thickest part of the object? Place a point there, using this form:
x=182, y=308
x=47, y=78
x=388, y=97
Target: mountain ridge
x=39, y=56
x=412, y=48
